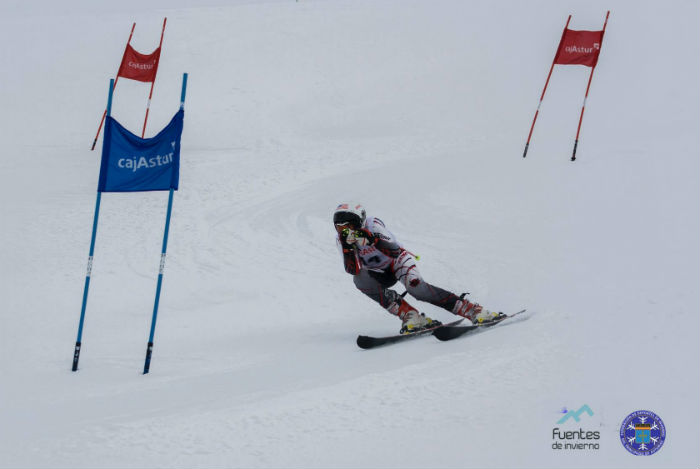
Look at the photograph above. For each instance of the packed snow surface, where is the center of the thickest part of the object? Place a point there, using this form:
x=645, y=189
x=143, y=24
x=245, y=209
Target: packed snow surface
x=420, y=110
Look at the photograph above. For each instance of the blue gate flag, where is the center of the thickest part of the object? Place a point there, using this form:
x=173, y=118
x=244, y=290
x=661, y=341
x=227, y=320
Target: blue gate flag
x=134, y=164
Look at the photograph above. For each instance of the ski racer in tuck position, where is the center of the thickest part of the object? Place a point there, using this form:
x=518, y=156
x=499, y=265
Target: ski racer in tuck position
x=377, y=261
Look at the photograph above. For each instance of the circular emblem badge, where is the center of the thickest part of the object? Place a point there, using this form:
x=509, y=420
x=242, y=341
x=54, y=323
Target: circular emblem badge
x=642, y=433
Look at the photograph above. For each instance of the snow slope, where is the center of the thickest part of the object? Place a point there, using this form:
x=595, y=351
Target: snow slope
x=419, y=109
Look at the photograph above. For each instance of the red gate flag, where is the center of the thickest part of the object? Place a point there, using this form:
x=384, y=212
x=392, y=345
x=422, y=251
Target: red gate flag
x=575, y=48
x=579, y=48
x=138, y=66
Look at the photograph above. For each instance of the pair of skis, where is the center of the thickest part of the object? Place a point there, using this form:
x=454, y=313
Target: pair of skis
x=442, y=332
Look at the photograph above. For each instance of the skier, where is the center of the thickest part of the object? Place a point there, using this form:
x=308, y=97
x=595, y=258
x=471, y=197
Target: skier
x=377, y=261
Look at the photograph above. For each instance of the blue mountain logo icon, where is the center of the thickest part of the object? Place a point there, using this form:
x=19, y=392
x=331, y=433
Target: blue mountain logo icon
x=576, y=414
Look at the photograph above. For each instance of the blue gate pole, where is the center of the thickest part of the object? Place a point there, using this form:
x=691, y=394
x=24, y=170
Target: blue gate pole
x=78, y=342
x=149, y=348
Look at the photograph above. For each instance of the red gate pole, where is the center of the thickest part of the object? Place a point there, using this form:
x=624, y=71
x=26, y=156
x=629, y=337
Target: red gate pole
x=153, y=83
x=532, y=127
x=583, y=108
x=115, y=85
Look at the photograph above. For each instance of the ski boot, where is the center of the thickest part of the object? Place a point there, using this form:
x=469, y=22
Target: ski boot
x=475, y=312
x=412, y=320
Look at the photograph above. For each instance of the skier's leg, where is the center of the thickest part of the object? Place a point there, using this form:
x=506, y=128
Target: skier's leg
x=376, y=286
x=406, y=272
x=377, y=290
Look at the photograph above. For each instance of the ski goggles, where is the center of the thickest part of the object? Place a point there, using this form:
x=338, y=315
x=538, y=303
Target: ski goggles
x=343, y=228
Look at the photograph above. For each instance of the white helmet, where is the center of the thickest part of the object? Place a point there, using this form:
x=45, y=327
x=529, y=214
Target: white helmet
x=352, y=213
